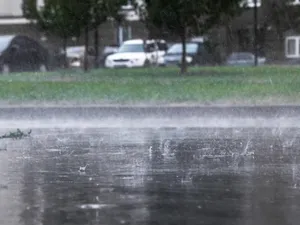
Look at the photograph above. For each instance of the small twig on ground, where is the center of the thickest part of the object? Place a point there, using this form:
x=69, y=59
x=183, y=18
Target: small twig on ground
x=16, y=135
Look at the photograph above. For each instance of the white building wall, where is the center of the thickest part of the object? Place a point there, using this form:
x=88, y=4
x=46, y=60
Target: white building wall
x=11, y=8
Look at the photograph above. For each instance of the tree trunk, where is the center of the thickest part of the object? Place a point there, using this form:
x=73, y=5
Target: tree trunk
x=255, y=15
x=96, y=46
x=228, y=33
x=65, y=59
x=86, y=46
x=183, y=67
x=282, y=47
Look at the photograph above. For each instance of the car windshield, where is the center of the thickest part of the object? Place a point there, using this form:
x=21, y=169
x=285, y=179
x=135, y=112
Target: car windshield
x=241, y=56
x=132, y=48
x=177, y=48
x=162, y=46
x=4, y=42
x=109, y=49
x=78, y=50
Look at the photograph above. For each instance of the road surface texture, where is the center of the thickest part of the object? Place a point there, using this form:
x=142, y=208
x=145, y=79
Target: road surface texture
x=184, y=165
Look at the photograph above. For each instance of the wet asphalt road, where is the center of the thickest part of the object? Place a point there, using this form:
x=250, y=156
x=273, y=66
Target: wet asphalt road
x=211, y=176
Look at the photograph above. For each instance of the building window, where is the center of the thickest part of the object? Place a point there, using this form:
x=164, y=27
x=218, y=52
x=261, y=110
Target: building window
x=251, y=3
x=124, y=34
x=40, y=4
x=295, y=2
x=292, y=47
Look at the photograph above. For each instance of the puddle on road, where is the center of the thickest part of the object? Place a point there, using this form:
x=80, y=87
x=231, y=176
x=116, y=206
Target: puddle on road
x=175, y=175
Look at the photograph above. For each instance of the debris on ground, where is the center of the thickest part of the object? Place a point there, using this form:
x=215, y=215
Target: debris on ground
x=16, y=135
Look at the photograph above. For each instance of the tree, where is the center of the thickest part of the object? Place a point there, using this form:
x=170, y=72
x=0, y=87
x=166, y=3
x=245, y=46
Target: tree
x=99, y=16
x=85, y=16
x=281, y=16
x=59, y=17
x=68, y=18
x=101, y=11
x=95, y=13
x=183, y=17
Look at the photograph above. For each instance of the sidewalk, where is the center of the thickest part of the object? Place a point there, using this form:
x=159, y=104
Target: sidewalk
x=142, y=111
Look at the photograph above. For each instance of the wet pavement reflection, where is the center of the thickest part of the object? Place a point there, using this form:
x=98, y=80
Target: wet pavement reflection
x=234, y=176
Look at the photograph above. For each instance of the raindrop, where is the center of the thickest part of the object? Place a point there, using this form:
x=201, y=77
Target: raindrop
x=96, y=206
x=150, y=152
x=82, y=168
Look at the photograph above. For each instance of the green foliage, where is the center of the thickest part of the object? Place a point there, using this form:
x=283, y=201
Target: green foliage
x=113, y=9
x=196, y=15
x=186, y=17
x=67, y=18
x=59, y=17
x=282, y=15
x=98, y=11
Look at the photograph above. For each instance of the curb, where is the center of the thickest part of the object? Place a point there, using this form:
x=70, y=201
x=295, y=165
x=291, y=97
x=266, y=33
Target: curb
x=98, y=112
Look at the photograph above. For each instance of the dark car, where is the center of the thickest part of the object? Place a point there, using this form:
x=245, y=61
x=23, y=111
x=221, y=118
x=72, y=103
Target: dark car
x=243, y=59
x=21, y=53
x=196, y=54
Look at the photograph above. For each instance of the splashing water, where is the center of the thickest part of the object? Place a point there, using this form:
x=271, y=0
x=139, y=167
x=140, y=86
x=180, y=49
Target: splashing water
x=200, y=122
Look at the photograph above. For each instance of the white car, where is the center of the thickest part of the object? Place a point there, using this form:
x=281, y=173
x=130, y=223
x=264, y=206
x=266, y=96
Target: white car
x=74, y=55
x=244, y=59
x=137, y=53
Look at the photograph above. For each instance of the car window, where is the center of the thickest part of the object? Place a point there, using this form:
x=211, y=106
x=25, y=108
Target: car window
x=241, y=56
x=29, y=45
x=24, y=43
x=4, y=42
x=169, y=45
x=245, y=56
x=162, y=46
x=150, y=47
x=191, y=48
x=109, y=49
x=75, y=50
x=233, y=56
x=132, y=48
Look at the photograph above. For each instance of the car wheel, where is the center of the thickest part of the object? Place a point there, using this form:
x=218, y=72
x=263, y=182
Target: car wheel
x=43, y=68
x=5, y=69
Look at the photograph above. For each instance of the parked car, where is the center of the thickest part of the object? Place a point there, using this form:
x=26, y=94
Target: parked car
x=196, y=54
x=20, y=53
x=108, y=50
x=75, y=55
x=137, y=53
x=170, y=44
x=200, y=39
x=162, y=47
x=243, y=59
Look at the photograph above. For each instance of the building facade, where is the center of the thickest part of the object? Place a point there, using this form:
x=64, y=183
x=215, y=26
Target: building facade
x=278, y=33
x=278, y=30
x=11, y=8
x=13, y=22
